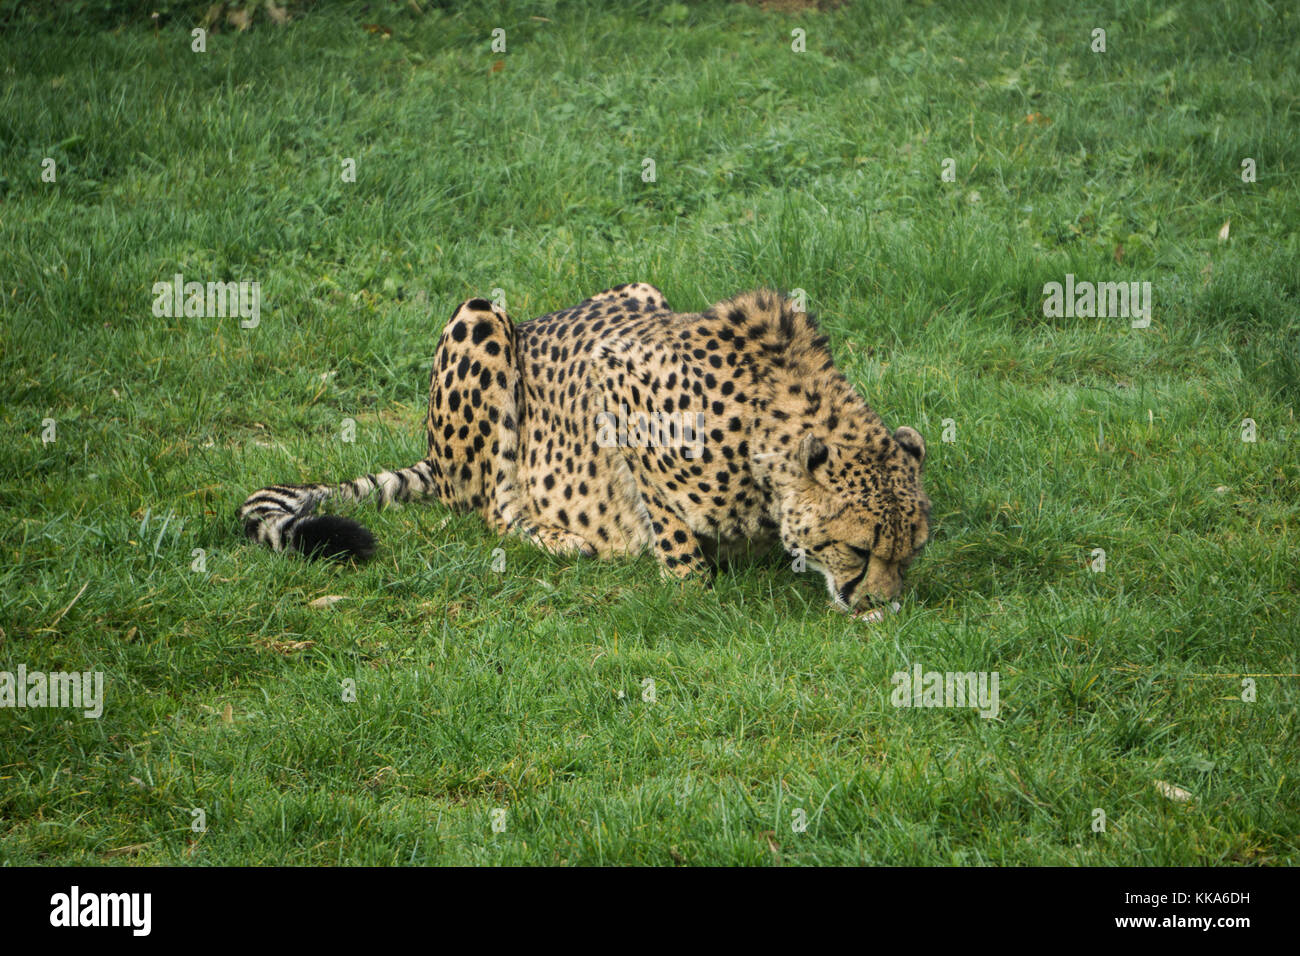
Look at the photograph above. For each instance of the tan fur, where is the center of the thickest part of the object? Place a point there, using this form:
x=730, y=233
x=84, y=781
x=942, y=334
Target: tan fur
x=789, y=451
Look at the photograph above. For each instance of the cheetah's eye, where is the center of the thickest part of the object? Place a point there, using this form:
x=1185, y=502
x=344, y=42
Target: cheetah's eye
x=863, y=553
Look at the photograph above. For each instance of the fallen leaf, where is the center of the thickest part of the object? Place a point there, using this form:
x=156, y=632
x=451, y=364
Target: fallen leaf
x=771, y=841
x=228, y=715
x=285, y=647
x=1038, y=119
x=327, y=600
x=1169, y=791
x=1223, y=232
x=498, y=66
x=130, y=850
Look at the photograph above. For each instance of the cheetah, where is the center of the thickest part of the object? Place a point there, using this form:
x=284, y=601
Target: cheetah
x=618, y=426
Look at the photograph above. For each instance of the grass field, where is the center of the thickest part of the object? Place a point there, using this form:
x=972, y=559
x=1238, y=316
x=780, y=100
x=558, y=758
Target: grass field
x=523, y=691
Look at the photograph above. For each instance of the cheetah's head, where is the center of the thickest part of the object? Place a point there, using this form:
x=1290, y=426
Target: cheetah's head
x=858, y=513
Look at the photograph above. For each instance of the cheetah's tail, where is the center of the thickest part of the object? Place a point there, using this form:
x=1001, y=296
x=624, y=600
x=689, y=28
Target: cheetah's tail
x=283, y=516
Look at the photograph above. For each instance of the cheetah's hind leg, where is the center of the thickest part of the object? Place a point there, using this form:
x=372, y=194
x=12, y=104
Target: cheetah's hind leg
x=476, y=404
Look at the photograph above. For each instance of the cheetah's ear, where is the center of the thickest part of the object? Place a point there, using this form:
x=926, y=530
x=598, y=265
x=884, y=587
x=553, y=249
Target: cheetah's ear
x=912, y=443
x=812, y=453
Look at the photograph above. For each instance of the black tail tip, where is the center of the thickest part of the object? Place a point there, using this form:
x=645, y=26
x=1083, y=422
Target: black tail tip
x=333, y=536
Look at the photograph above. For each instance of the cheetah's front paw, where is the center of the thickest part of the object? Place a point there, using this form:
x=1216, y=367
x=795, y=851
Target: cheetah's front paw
x=874, y=615
x=562, y=543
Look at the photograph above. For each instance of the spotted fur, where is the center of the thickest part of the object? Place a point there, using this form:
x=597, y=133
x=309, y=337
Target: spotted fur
x=519, y=431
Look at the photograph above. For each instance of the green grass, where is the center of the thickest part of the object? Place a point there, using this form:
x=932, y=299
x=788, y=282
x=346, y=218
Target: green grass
x=523, y=690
